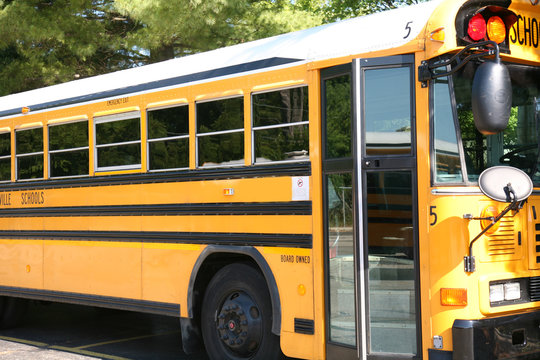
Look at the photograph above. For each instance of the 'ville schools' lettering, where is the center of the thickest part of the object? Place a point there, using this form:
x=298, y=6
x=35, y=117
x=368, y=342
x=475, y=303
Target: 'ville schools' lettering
x=32, y=198
x=5, y=199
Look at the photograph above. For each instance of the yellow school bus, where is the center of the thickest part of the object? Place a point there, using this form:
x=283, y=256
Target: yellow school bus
x=367, y=189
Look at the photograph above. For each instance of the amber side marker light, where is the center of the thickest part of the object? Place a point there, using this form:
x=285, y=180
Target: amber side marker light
x=453, y=297
x=490, y=211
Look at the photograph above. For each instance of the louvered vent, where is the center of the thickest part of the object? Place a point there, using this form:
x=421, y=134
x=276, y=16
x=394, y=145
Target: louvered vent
x=503, y=241
x=534, y=288
x=537, y=246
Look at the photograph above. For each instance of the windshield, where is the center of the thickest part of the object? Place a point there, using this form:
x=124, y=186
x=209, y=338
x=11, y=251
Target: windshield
x=461, y=152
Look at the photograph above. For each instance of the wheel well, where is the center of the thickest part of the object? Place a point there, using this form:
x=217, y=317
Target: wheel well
x=215, y=257
x=211, y=265
x=210, y=261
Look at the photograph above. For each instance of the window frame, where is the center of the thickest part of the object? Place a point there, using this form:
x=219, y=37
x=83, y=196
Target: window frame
x=278, y=126
x=65, y=150
x=433, y=158
x=163, y=139
x=102, y=119
x=42, y=152
x=4, y=157
x=220, y=132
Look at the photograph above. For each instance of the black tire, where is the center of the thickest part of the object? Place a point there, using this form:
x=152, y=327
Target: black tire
x=12, y=310
x=236, y=317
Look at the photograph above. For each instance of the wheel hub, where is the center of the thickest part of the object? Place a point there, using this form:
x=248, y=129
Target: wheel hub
x=239, y=324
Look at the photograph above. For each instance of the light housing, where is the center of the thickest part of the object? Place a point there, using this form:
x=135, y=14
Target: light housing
x=508, y=292
x=477, y=24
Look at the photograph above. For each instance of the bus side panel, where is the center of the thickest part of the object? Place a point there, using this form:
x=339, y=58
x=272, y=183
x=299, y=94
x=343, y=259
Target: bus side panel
x=21, y=263
x=97, y=268
x=165, y=272
x=293, y=270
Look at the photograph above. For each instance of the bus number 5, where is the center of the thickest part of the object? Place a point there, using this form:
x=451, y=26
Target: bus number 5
x=433, y=214
x=408, y=29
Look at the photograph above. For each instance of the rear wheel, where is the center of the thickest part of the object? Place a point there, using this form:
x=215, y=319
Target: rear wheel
x=236, y=316
x=12, y=311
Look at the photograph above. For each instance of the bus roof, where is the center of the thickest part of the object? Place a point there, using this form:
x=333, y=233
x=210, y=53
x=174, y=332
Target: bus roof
x=344, y=38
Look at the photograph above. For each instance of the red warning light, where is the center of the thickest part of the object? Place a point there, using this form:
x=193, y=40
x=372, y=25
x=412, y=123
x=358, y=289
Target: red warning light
x=477, y=28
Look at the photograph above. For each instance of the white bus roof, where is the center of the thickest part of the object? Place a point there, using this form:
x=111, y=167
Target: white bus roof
x=349, y=37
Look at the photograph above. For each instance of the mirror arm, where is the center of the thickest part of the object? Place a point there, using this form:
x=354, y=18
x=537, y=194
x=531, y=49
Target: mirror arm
x=425, y=71
x=469, y=262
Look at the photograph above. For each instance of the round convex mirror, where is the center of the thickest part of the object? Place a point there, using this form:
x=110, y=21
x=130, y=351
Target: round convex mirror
x=493, y=183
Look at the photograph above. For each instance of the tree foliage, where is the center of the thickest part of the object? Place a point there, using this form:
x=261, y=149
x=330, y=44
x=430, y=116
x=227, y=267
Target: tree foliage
x=46, y=42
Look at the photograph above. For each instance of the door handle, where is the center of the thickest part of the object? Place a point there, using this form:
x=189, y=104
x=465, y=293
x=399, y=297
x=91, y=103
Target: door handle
x=372, y=163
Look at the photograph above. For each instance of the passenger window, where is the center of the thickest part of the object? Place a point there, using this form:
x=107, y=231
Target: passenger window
x=220, y=132
x=168, y=138
x=281, y=125
x=29, y=153
x=118, y=141
x=5, y=156
x=68, y=149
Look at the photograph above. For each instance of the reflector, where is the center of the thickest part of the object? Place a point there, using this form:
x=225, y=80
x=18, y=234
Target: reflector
x=477, y=28
x=496, y=30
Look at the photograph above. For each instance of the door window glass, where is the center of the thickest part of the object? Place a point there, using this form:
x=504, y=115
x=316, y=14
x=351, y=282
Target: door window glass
x=387, y=107
x=338, y=117
x=392, y=311
x=340, y=245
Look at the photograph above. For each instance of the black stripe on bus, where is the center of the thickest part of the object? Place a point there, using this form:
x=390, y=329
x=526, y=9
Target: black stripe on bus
x=271, y=208
x=200, y=238
x=244, y=172
x=153, y=307
x=154, y=85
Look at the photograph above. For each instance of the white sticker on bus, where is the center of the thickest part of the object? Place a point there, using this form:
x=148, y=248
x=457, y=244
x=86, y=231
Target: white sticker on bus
x=300, y=188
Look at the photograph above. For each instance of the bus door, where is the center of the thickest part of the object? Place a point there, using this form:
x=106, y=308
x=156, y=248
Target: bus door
x=369, y=169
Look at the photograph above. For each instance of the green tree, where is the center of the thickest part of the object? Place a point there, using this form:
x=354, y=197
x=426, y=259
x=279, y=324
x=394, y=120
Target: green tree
x=48, y=42
x=178, y=28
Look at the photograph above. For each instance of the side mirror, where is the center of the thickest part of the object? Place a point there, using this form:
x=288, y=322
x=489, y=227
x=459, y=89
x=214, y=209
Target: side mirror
x=499, y=182
x=491, y=98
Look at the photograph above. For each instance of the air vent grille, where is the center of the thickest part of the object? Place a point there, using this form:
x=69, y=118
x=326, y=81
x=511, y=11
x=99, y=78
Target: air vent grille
x=503, y=241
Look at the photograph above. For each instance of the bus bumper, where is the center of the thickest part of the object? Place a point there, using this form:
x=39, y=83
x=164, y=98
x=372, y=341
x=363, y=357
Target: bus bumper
x=508, y=337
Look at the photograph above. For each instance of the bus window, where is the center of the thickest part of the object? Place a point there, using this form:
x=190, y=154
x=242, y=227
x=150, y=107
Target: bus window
x=5, y=156
x=68, y=149
x=447, y=160
x=220, y=132
x=517, y=145
x=118, y=141
x=281, y=125
x=168, y=138
x=29, y=149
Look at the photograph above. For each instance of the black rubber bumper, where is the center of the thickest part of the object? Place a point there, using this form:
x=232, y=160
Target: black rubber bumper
x=508, y=337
